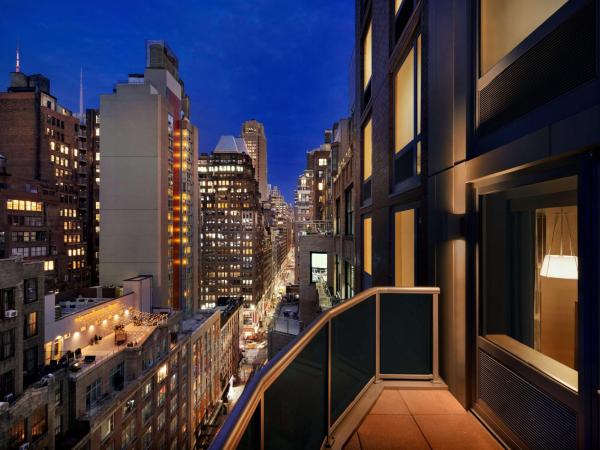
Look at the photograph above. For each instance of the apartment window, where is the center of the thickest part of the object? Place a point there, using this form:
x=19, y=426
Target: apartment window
x=107, y=427
x=39, y=422
x=31, y=324
x=8, y=344
x=30, y=288
x=404, y=248
x=129, y=406
x=530, y=275
x=349, y=211
x=367, y=57
x=338, y=277
x=17, y=434
x=407, y=116
x=147, y=389
x=162, y=395
x=117, y=376
x=161, y=374
x=30, y=359
x=147, y=411
x=504, y=25
x=58, y=393
x=58, y=424
x=7, y=383
x=128, y=434
x=367, y=159
x=147, y=438
x=160, y=420
x=367, y=246
x=93, y=393
x=318, y=267
x=7, y=300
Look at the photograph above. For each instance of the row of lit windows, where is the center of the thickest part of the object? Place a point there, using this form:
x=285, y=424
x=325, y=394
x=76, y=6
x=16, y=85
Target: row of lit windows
x=76, y=252
x=24, y=205
x=68, y=213
x=72, y=238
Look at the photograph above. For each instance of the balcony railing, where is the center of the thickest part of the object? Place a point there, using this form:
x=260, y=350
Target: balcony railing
x=300, y=396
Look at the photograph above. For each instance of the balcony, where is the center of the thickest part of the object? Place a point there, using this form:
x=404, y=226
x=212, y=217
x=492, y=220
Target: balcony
x=364, y=375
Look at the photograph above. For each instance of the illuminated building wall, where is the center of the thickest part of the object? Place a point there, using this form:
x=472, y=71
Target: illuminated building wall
x=148, y=199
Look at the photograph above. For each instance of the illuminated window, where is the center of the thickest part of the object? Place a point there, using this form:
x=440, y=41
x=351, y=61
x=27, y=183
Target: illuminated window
x=367, y=151
x=367, y=58
x=407, y=116
x=367, y=246
x=161, y=374
x=318, y=267
x=505, y=24
x=404, y=247
x=529, y=278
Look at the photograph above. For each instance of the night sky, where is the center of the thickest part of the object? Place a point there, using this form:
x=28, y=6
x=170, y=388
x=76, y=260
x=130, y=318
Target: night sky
x=283, y=62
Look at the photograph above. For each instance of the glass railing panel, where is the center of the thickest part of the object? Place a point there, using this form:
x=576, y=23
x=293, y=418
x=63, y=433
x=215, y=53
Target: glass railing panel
x=352, y=354
x=251, y=438
x=296, y=403
x=406, y=334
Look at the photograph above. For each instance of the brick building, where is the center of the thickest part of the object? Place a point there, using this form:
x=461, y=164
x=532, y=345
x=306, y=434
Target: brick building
x=40, y=214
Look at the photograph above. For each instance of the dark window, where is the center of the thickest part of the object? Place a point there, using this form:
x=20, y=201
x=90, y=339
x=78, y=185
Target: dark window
x=93, y=393
x=30, y=287
x=30, y=360
x=7, y=300
x=349, y=213
x=7, y=350
x=7, y=384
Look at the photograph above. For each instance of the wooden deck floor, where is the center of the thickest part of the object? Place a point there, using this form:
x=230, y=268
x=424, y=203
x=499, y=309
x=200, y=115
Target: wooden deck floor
x=420, y=419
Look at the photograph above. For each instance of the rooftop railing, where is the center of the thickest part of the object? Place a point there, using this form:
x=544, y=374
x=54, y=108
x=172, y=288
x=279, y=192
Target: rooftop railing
x=300, y=396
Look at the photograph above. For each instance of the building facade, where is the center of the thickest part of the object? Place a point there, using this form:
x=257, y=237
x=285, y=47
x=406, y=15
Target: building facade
x=148, y=202
x=232, y=229
x=477, y=171
x=41, y=217
x=253, y=134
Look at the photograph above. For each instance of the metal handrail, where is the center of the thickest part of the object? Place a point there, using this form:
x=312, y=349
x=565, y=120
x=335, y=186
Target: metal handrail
x=234, y=427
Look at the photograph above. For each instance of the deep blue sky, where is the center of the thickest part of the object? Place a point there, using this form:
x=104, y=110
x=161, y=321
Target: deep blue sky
x=283, y=62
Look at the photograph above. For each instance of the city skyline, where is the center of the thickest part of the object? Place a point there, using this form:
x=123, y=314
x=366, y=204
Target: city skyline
x=226, y=84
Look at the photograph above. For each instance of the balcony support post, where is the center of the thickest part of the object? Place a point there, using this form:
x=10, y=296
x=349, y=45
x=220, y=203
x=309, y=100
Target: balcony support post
x=377, y=339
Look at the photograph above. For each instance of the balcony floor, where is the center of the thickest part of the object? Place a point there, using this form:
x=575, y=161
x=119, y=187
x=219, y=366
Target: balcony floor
x=419, y=419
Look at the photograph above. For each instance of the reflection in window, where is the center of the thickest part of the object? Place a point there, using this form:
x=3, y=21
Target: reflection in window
x=367, y=246
x=404, y=247
x=530, y=271
x=318, y=267
x=505, y=24
x=367, y=58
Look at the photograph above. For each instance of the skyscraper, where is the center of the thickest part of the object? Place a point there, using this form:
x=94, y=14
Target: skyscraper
x=148, y=199
x=232, y=228
x=253, y=133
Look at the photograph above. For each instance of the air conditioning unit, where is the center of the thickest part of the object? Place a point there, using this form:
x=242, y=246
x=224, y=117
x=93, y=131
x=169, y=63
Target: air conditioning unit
x=24, y=446
x=10, y=313
x=9, y=397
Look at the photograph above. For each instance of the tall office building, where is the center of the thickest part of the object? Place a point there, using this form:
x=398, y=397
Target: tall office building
x=148, y=198
x=253, y=133
x=232, y=227
x=41, y=217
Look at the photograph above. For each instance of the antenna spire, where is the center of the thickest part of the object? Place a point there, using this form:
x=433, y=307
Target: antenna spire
x=81, y=93
x=18, y=63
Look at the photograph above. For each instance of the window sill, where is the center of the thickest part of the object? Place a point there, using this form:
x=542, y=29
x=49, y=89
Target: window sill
x=550, y=367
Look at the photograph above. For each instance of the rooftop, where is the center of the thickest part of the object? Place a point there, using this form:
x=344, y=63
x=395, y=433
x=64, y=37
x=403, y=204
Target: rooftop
x=230, y=144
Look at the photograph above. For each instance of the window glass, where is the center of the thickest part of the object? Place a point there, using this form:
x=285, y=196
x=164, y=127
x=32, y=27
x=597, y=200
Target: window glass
x=367, y=57
x=404, y=247
x=367, y=151
x=530, y=272
x=367, y=246
x=404, y=103
x=318, y=267
x=505, y=24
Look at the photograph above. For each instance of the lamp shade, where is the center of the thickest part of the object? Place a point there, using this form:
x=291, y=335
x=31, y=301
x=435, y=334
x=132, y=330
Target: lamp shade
x=560, y=266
